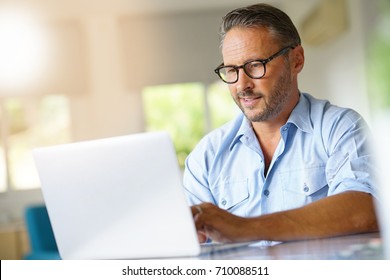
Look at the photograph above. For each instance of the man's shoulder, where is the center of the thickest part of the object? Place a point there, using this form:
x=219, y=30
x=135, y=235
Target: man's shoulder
x=222, y=136
x=327, y=110
x=227, y=130
x=331, y=122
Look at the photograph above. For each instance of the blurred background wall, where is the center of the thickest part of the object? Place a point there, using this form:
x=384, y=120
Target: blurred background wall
x=81, y=69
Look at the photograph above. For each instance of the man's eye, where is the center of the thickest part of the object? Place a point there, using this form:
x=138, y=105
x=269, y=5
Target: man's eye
x=255, y=65
x=230, y=70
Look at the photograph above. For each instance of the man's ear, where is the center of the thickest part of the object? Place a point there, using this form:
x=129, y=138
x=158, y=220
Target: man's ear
x=298, y=59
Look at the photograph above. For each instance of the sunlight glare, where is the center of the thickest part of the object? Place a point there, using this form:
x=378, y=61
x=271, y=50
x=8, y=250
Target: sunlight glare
x=23, y=48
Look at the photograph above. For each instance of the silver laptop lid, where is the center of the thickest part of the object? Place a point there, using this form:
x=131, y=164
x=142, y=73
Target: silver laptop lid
x=117, y=198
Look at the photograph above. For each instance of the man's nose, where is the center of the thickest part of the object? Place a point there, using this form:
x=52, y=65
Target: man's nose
x=244, y=81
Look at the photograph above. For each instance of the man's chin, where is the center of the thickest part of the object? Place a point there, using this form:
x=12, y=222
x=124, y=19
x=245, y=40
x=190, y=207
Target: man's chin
x=255, y=117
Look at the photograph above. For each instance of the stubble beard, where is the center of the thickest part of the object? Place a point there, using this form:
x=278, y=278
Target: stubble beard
x=273, y=104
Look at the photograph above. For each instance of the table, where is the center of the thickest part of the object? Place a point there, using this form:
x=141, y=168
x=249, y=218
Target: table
x=366, y=246
x=14, y=243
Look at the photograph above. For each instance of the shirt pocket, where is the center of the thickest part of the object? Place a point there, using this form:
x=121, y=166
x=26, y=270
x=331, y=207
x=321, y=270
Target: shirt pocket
x=231, y=193
x=303, y=186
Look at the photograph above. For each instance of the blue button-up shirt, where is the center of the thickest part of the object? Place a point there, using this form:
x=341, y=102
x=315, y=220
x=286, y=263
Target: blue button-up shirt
x=323, y=150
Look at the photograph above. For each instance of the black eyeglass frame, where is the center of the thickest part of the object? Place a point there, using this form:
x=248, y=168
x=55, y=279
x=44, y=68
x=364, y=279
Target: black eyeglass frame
x=262, y=61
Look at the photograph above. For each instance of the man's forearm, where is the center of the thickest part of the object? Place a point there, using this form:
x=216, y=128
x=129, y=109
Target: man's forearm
x=341, y=214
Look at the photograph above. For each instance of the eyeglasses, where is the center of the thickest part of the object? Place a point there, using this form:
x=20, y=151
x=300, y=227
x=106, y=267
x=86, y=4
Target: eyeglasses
x=254, y=69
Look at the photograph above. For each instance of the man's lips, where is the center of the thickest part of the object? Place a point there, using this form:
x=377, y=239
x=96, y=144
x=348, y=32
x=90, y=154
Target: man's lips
x=249, y=101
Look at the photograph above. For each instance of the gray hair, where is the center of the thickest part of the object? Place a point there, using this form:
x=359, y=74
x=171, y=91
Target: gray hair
x=262, y=15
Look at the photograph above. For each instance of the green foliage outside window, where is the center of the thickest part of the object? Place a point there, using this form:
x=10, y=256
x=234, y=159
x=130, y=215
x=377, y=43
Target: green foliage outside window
x=181, y=110
x=379, y=60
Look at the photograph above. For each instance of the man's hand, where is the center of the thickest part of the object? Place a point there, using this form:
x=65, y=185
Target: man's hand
x=218, y=224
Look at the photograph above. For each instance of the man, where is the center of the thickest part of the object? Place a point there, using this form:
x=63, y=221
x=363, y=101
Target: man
x=290, y=166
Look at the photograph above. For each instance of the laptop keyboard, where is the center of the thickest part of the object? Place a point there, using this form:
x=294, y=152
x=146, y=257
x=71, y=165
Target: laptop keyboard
x=208, y=248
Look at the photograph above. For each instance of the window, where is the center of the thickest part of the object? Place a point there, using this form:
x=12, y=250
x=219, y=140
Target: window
x=3, y=177
x=222, y=107
x=187, y=112
x=379, y=60
x=27, y=122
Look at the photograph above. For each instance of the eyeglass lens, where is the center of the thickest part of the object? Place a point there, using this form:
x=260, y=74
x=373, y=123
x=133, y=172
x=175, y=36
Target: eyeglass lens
x=254, y=69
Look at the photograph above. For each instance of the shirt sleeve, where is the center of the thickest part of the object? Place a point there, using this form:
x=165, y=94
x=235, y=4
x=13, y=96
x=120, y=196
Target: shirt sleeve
x=350, y=164
x=195, y=179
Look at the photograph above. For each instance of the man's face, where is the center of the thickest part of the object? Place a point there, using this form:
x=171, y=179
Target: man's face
x=259, y=99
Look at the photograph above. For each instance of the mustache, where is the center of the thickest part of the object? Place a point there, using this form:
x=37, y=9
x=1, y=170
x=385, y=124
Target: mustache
x=249, y=93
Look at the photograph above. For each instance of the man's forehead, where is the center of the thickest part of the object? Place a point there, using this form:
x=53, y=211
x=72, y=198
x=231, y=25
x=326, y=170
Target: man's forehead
x=239, y=43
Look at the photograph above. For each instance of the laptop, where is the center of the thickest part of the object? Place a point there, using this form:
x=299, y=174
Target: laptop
x=117, y=198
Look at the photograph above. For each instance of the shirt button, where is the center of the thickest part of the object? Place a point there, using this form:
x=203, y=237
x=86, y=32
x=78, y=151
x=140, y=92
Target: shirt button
x=266, y=193
x=223, y=202
x=306, y=188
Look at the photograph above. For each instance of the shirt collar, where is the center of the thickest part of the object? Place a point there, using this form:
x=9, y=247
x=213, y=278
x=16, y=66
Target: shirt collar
x=244, y=129
x=300, y=115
